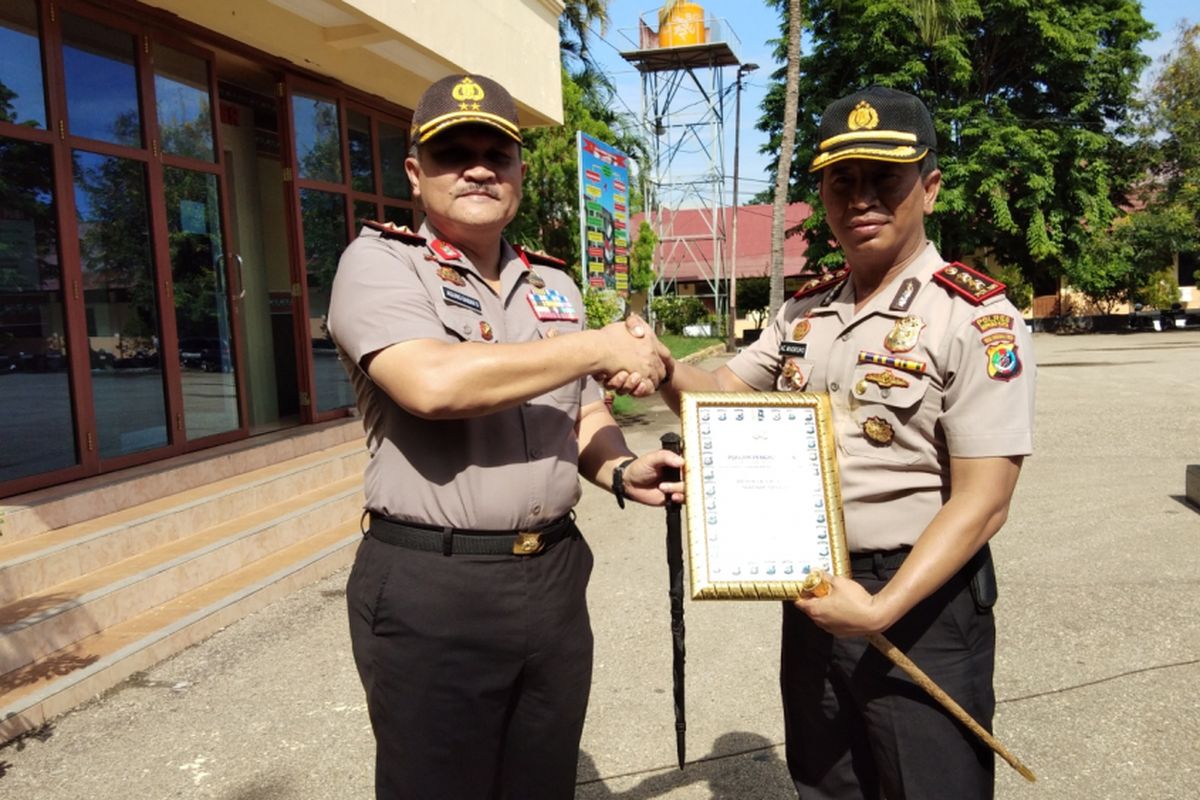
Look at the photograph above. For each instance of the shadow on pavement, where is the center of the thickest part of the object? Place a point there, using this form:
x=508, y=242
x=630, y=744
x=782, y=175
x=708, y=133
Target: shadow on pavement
x=741, y=766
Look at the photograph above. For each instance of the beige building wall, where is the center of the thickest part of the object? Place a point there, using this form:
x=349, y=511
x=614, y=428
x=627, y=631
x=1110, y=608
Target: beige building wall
x=396, y=48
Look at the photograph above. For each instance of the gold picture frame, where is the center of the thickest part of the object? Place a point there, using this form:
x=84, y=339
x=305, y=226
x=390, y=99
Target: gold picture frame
x=764, y=501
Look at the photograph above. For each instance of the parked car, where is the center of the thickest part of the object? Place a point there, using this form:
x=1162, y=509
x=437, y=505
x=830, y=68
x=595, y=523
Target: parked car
x=208, y=354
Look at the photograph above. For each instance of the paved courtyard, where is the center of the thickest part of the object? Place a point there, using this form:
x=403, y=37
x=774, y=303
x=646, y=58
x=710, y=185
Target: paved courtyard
x=1099, y=651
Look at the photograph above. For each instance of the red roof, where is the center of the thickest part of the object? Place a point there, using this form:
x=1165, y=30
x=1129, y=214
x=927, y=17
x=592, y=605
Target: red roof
x=685, y=252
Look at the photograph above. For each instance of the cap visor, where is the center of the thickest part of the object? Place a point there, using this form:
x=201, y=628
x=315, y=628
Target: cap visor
x=450, y=120
x=896, y=155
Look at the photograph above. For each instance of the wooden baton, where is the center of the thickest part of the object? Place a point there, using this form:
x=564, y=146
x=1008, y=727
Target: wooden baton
x=815, y=584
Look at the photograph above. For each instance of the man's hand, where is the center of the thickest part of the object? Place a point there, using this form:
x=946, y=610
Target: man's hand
x=636, y=384
x=848, y=609
x=644, y=479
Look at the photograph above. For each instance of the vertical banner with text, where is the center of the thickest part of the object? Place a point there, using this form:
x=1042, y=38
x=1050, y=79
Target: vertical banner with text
x=604, y=215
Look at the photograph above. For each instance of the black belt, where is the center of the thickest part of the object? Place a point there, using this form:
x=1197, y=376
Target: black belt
x=878, y=560
x=463, y=541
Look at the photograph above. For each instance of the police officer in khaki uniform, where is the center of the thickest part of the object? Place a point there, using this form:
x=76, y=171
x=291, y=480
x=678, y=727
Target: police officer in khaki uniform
x=473, y=372
x=930, y=373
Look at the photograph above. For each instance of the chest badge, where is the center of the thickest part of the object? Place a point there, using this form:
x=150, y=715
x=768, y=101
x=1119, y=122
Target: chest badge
x=801, y=330
x=886, y=379
x=792, y=376
x=552, y=305
x=879, y=431
x=904, y=334
x=451, y=275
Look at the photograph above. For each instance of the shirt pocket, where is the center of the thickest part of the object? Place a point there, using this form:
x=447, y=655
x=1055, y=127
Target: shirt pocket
x=462, y=324
x=884, y=406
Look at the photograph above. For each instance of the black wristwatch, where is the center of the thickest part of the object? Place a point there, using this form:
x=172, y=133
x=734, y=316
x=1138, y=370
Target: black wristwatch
x=618, y=480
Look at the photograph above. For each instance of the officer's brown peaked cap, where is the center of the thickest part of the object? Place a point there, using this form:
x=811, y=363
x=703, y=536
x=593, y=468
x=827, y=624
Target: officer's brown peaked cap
x=878, y=124
x=459, y=99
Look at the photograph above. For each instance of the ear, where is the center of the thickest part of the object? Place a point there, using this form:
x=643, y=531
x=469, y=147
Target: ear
x=413, y=168
x=932, y=184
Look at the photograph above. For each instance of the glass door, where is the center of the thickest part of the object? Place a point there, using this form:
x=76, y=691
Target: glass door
x=202, y=276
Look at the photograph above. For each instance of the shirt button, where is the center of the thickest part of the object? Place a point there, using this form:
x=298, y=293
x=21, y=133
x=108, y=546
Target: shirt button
x=466, y=329
x=537, y=508
x=845, y=337
x=834, y=387
x=535, y=453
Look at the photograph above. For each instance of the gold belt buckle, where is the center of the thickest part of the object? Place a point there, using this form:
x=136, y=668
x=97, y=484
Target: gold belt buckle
x=527, y=543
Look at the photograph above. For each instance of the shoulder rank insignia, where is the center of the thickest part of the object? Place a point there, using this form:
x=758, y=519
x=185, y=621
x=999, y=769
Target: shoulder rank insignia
x=391, y=230
x=970, y=283
x=819, y=282
x=530, y=258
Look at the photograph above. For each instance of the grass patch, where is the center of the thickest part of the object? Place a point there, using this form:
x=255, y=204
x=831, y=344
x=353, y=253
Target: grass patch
x=623, y=404
x=681, y=346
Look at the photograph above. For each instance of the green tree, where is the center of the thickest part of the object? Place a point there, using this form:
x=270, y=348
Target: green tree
x=1032, y=107
x=549, y=215
x=641, y=258
x=754, y=298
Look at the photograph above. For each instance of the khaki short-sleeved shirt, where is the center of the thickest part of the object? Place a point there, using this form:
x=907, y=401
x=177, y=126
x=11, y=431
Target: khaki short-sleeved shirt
x=510, y=470
x=897, y=426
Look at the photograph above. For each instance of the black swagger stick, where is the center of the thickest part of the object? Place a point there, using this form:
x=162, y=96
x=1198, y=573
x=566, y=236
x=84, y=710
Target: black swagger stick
x=672, y=442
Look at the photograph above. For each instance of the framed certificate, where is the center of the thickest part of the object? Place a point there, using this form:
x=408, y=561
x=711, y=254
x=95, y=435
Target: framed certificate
x=764, y=504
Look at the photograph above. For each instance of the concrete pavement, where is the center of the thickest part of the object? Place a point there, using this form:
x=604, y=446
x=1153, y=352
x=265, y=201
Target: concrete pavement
x=1099, y=651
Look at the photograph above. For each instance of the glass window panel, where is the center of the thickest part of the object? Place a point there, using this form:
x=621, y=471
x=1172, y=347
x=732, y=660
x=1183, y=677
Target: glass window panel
x=181, y=94
x=318, y=138
x=201, y=302
x=324, y=220
x=101, y=78
x=120, y=302
x=37, y=430
x=393, y=148
x=364, y=209
x=22, y=92
x=400, y=216
x=362, y=171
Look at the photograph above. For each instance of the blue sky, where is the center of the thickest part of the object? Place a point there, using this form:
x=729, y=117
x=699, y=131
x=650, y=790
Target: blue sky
x=755, y=23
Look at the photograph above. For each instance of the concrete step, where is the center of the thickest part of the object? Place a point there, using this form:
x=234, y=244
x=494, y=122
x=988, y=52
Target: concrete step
x=67, y=504
x=61, y=680
x=42, y=623
x=33, y=563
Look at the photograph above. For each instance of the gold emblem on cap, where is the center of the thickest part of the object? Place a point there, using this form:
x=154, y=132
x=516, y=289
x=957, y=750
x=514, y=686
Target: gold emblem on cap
x=863, y=117
x=878, y=430
x=903, y=336
x=467, y=90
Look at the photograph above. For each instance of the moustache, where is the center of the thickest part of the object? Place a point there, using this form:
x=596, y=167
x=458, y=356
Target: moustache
x=477, y=188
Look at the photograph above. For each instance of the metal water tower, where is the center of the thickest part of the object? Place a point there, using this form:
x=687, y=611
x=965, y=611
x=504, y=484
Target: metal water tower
x=682, y=66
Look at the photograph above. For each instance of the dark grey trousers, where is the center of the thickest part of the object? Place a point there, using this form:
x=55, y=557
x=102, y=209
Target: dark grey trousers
x=858, y=727
x=476, y=668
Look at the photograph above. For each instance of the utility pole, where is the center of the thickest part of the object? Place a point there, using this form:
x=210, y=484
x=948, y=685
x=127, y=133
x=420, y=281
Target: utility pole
x=731, y=330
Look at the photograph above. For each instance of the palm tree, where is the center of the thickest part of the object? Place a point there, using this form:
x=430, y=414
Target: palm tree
x=791, y=103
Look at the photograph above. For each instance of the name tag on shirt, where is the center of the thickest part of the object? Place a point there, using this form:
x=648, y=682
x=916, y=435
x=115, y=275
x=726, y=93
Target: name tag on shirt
x=460, y=299
x=552, y=305
x=798, y=349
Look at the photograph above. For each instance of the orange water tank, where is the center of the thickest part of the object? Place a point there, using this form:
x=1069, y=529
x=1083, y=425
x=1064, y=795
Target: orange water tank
x=683, y=25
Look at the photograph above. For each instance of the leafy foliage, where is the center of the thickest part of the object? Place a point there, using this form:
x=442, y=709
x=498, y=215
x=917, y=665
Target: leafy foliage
x=602, y=307
x=641, y=258
x=549, y=215
x=754, y=298
x=676, y=312
x=1030, y=101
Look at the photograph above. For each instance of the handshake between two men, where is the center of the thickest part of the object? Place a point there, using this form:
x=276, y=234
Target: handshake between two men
x=637, y=362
